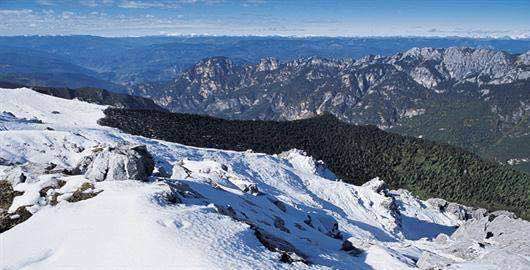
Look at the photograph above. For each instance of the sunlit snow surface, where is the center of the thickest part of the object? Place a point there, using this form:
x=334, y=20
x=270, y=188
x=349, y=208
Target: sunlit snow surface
x=130, y=226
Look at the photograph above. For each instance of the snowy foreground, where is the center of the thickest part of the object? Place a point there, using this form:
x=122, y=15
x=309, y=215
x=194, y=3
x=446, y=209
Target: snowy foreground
x=215, y=209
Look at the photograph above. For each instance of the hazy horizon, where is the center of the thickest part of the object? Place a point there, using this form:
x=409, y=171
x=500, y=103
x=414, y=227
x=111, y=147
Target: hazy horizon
x=128, y=18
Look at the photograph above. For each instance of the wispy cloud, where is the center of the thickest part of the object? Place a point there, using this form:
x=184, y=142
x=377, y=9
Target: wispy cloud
x=15, y=12
x=144, y=4
x=141, y=4
x=45, y=2
x=217, y=17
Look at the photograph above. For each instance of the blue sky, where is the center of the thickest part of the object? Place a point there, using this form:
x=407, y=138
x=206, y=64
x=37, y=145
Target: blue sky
x=485, y=18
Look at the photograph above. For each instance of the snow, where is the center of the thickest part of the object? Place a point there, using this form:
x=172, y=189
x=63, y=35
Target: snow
x=222, y=196
x=24, y=103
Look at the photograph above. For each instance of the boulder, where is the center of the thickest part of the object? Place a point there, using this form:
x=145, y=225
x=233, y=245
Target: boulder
x=349, y=247
x=118, y=163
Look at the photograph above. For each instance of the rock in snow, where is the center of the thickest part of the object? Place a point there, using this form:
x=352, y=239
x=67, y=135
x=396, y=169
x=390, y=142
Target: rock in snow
x=119, y=163
x=218, y=209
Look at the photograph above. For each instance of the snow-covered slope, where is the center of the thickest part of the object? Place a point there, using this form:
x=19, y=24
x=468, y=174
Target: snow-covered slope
x=204, y=209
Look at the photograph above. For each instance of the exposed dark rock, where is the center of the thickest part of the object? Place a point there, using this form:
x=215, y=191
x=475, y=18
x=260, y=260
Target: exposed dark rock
x=227, y=211
x=16, y=175
x=251, y=189
x=377, y=185
x=279, y=204
x=350, y=248
x=324, y=224
x=44, y=191
x=172, y=198
x=8, y=221
x=299, y=226
x=85, y=192
x=280, y=224
x=460, y=211
x=7, y=194
x=29, y=172
x=5, y=162
x=289, y=253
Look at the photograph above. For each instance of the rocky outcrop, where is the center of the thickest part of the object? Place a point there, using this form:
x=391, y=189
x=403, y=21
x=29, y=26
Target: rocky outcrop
x=500, y=229
x=324, y=224
x=10, y=220
x=289, y=253
x=7, y=194
x=349, y=246
x=460, y=211
x=117, y=163
x=29, y=172
x=496, y=239
x=387, y=203
x=84, y=192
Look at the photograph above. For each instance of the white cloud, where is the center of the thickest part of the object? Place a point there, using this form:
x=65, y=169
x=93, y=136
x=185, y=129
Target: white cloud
x=122, y=22
x=142, y=4
x=46, y=2
x=15, y=12
x=67, y=14
x=139, y=4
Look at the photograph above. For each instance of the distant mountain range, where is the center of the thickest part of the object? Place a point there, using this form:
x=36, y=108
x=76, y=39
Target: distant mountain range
x=125, y=61
x=473, y=98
